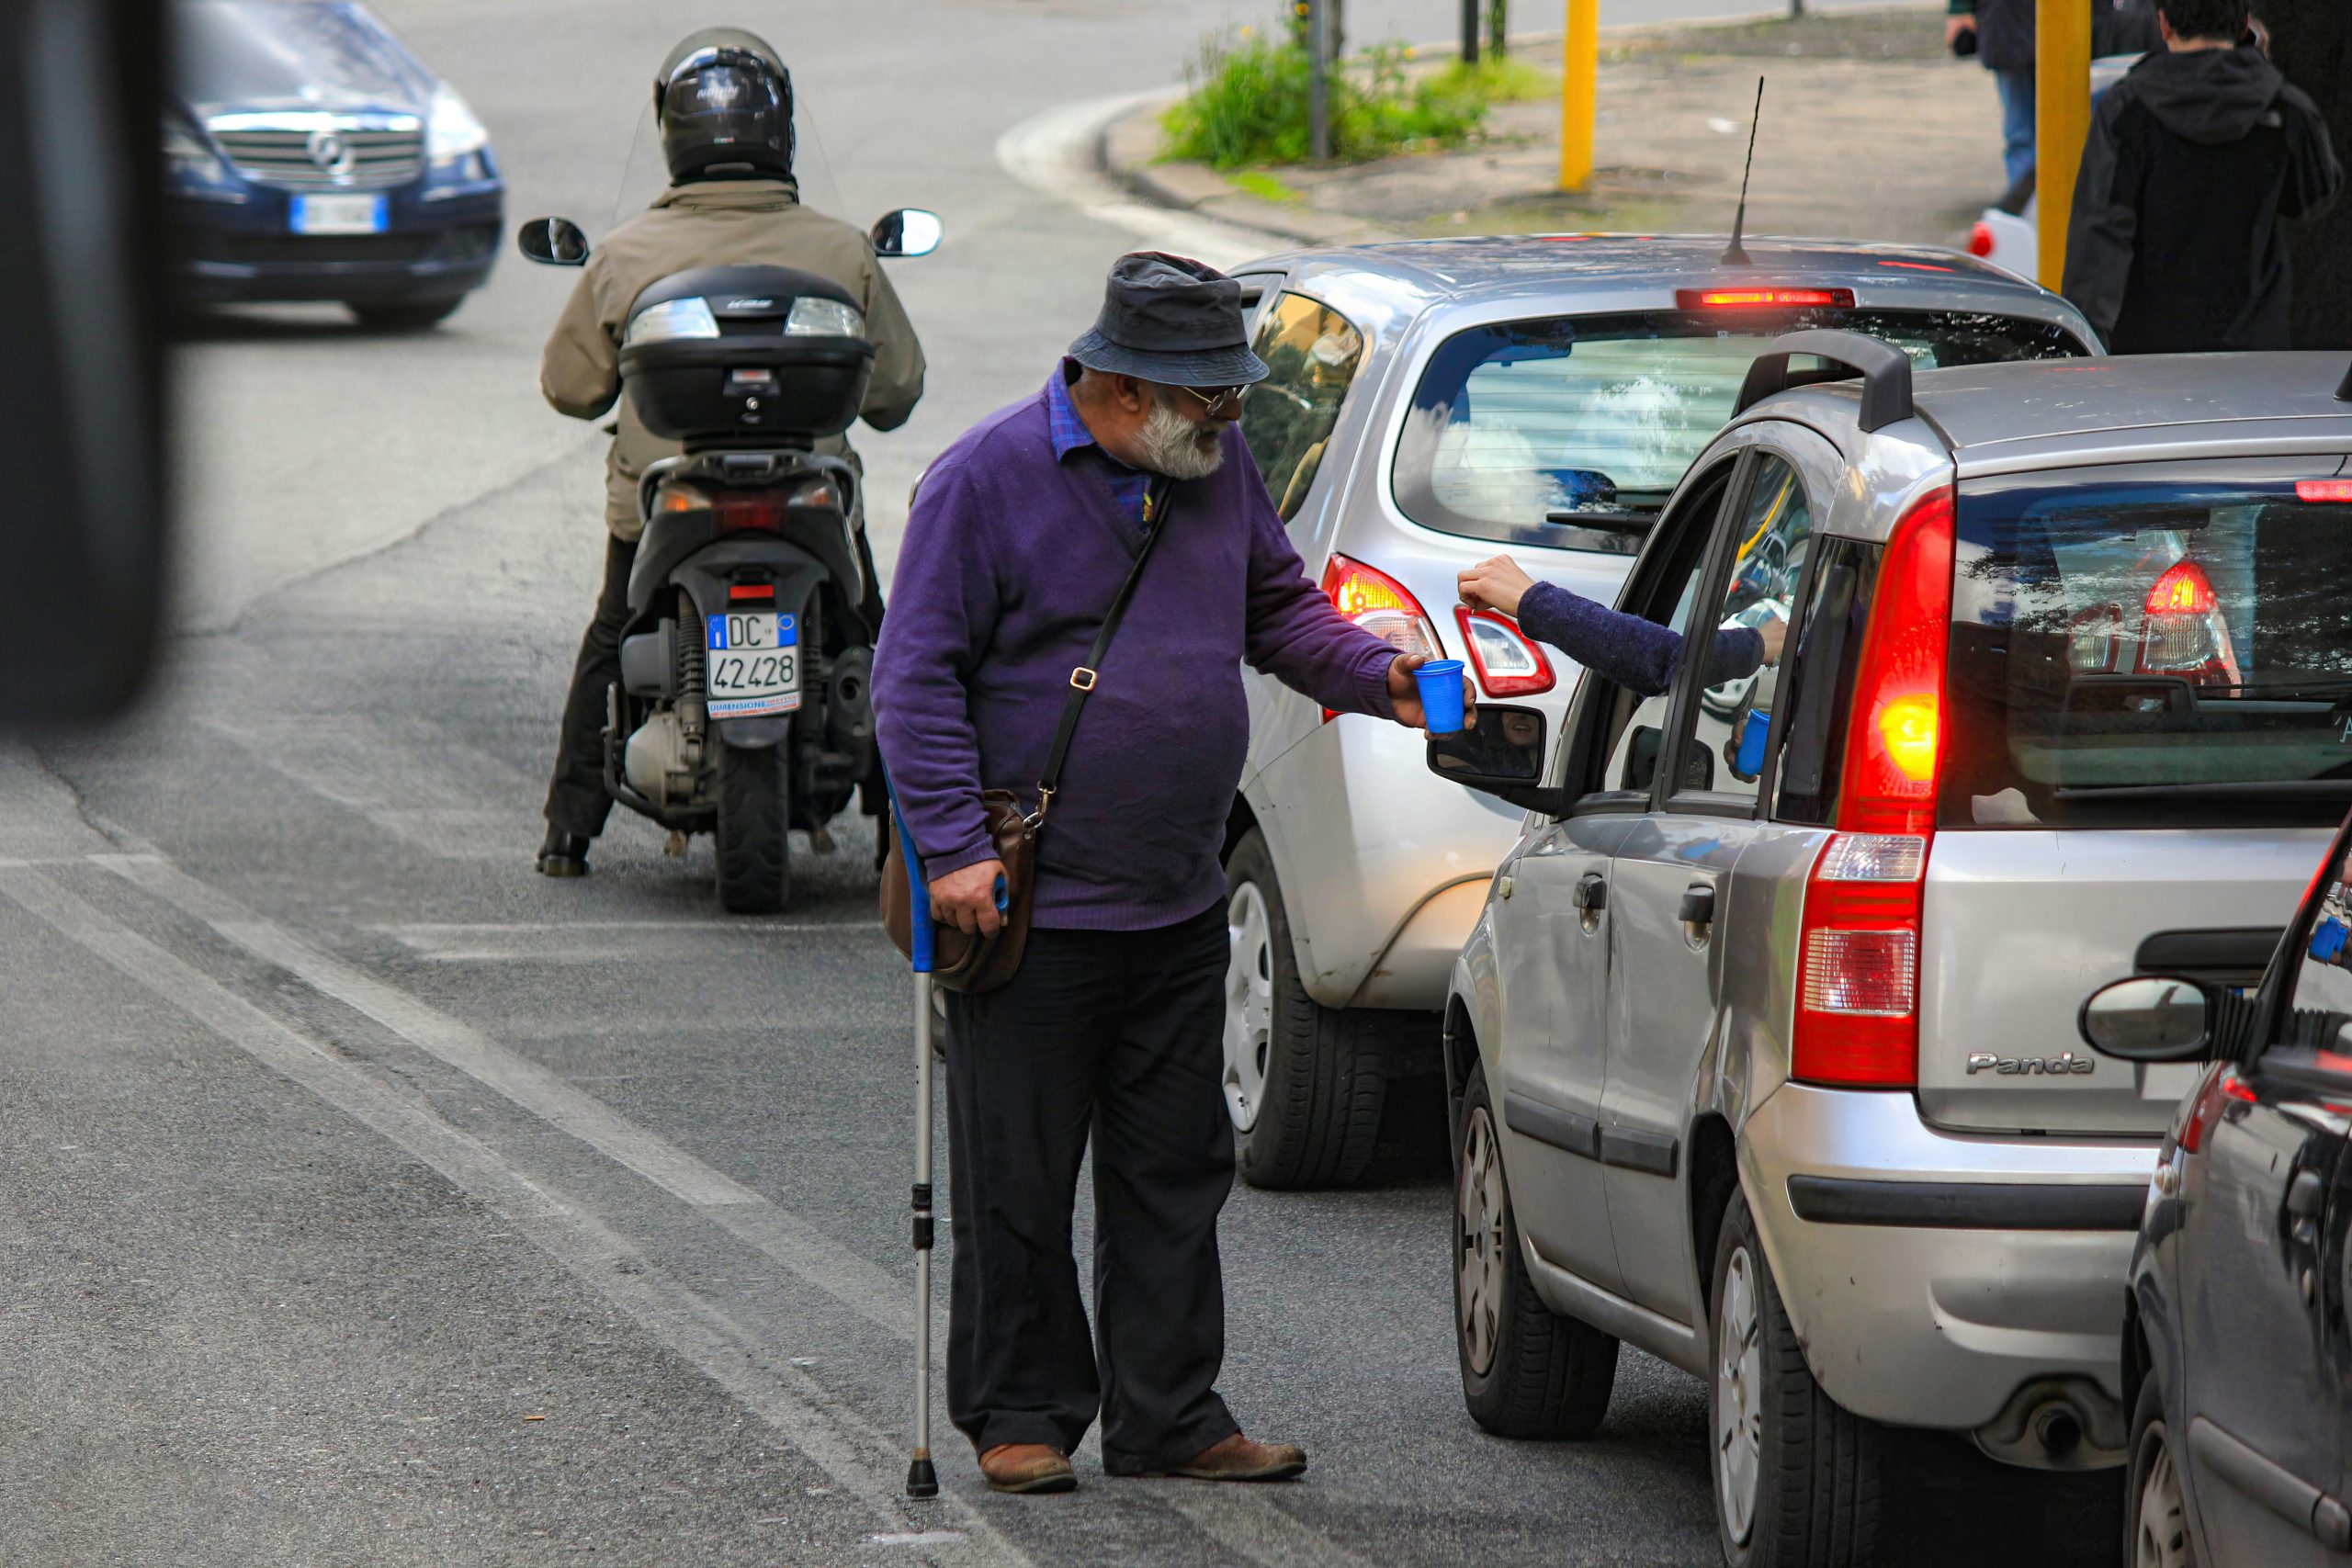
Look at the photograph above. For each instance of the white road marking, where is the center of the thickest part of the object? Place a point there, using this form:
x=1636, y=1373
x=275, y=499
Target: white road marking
x=862, y=1461
x=1054, y=153
x=412, y=779
x=600, y=942
x=1247, y=1521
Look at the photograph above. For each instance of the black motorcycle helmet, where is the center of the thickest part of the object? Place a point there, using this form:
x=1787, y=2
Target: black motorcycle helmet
x=724, y=99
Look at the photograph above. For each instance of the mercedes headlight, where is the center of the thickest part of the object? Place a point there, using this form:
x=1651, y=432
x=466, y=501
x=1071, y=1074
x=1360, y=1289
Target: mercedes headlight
x=670, y=319
x=451, y=131
x=824, y=318
x=190, y=158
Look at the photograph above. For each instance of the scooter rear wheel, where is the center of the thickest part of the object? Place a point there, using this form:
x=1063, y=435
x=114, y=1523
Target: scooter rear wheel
x=754, y=819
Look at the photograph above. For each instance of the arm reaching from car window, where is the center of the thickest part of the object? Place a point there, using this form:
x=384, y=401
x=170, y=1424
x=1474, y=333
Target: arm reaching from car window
x=1639, y=655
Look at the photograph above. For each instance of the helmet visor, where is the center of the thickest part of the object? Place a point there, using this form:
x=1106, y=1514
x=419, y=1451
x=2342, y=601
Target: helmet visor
x=726, y=104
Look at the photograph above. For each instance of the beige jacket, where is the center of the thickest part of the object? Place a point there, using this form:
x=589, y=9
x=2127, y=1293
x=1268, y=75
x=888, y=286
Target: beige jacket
x=714, y=223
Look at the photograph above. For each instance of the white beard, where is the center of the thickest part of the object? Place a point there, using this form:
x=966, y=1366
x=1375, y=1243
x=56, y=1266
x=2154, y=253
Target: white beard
x=1179, y=447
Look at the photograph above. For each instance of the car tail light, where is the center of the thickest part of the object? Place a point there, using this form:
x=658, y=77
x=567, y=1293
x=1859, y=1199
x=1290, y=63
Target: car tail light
x=1895, y=752
x=1858, y=970
x=2186, y=632
x=2323, y=490
x=1761, y=298
x=1980, y=239
x=1381, y=605
x=1507, y=664
x=2221, y=1085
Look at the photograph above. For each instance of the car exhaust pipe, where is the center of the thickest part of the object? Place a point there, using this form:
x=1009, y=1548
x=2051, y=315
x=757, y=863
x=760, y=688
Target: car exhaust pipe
x=2058, y=1430
x=2057, y=1424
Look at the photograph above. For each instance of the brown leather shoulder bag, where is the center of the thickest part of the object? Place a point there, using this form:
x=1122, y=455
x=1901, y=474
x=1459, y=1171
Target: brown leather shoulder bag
x=978, y=964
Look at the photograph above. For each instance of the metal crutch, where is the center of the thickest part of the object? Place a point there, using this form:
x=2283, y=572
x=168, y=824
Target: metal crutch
x=922, y=1478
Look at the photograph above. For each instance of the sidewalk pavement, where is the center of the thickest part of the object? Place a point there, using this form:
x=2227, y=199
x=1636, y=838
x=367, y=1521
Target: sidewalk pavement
x=1870, y=131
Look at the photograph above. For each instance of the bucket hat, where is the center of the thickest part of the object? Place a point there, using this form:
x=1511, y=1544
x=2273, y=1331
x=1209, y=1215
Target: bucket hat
x=1173, y=321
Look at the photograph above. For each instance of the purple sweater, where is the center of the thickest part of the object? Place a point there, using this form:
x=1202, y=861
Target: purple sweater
x=1010, y=560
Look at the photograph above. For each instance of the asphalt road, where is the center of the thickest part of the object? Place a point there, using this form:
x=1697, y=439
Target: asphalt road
x=368, y=1199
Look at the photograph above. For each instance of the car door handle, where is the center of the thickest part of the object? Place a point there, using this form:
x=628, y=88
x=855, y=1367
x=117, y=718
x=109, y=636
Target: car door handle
x=1591, y=894
x=1699, y=904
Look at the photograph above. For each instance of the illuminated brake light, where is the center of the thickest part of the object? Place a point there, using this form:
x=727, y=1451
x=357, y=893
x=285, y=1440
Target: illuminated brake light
x=1507, y=664
x=1761, y=298
x=1980, y=239
x=1380, y=604
x=2183, y=590
x=2323, y=490
x=1858, y=968
x=1897, y=750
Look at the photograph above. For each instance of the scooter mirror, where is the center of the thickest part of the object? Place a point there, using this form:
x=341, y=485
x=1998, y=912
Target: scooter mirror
x=908, y=233
x=553, y=242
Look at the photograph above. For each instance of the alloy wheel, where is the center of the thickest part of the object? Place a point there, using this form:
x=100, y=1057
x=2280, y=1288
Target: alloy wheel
x=1248, y=1003
x=2162, y=1539
x=1739, y=1410
x=1481, y=1261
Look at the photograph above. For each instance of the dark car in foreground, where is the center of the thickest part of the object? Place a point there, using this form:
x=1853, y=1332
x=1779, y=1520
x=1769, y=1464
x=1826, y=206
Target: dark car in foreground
x=2237, y=1355
x=311, y=156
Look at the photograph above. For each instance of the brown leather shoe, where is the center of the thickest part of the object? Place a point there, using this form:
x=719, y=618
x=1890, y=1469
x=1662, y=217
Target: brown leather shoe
x=1027, y=1467
x=1239, y=1459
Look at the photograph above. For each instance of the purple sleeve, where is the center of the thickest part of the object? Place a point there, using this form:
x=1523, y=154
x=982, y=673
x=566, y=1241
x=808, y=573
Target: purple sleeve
x=1638, y=655
x=943, y=614
x=1294, y=633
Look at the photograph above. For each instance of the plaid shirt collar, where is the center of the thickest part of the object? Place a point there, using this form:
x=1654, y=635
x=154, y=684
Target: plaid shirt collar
x=1069, y=430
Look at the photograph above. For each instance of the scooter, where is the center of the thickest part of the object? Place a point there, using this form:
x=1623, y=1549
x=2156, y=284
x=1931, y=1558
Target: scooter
x=745, y=703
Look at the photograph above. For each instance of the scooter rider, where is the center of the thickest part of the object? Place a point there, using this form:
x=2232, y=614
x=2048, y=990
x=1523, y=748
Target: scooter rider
x=724, y=101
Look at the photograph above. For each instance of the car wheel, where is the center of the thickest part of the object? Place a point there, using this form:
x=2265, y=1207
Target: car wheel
x=1798, y=1479
x=408, y=316
x=1303, y=1085
x=2156, y=1518
x=1526, y=1371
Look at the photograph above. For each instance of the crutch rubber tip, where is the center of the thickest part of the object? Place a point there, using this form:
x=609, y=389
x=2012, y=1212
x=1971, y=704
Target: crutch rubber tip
x=923, y=1481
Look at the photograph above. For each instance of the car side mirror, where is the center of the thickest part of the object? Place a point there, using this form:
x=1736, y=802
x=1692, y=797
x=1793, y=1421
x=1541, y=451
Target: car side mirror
x=908, y=233
x=2154, y=1018
x=553, y=242
x=1504, y=752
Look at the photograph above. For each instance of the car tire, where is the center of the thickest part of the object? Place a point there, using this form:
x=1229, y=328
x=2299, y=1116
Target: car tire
x=1304, y=1084
x=2156, y=1510
x=1526, y=1370
x=1799, y=1480
x=407, y=316
x=754, y=831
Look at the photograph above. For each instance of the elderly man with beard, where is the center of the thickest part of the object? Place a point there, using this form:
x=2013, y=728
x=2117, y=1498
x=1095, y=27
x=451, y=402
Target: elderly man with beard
x=1112, y=1030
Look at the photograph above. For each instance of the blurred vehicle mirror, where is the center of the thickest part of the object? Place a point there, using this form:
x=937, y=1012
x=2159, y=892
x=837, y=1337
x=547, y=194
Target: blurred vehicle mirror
x=86, y=267
x=908, y=233
x=553, y=242
x=1505, y=751
x=2154, y=1018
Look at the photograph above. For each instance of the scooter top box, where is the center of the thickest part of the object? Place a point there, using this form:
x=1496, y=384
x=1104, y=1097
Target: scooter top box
x=746, y=357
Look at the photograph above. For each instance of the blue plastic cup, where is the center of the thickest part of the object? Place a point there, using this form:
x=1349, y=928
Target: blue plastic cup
x=1441, y=683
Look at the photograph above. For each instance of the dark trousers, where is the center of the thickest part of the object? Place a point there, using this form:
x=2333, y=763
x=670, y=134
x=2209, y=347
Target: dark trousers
x=1116, y=1036
x=576, y=799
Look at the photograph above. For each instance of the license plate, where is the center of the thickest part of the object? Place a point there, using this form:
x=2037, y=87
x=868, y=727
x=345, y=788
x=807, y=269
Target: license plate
x=752, y=664
x=341, y=214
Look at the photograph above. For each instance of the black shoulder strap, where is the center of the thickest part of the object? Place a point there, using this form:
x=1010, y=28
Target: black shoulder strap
x=1083, y=680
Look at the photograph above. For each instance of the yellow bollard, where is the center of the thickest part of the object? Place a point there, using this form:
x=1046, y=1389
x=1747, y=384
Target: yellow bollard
x=2062, y=119
x=1580, y=89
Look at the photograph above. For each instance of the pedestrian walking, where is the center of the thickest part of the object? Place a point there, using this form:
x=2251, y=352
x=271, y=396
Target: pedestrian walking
x=2195, y=164
x=1111, y=1031
x=2001, y=34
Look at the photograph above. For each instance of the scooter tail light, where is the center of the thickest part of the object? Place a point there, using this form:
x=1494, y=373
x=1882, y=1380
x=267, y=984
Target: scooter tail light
x=1508, y=663
x=742, y=509
x=1980, y=239
x=1377, y=602
x=1858, y=967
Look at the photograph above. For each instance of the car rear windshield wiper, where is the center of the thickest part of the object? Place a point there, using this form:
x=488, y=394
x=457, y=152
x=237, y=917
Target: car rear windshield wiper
x=2236, y=789
x=1606, y=520
x=2280, y=691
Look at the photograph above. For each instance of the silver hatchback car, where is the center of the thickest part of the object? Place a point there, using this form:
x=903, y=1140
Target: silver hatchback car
x=1434, y=403
x=1763, y=1053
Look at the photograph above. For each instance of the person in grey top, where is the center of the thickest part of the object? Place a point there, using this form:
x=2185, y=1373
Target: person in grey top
x=1638, y=654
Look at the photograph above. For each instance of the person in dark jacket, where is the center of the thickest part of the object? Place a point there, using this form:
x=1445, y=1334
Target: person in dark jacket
x=2001, y=32
x=2195, y=161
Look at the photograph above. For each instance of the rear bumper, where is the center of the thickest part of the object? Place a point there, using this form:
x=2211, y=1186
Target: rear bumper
x=1930, y=1276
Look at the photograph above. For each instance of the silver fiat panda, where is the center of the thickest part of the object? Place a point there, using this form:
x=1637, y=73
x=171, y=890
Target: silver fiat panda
x=1763, y=1053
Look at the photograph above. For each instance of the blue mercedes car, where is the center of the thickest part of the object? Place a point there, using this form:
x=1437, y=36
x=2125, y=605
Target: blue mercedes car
x=310, y=156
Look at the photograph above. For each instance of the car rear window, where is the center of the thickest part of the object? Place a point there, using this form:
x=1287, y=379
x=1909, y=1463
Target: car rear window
x=1533, y=432
x=2150, y=654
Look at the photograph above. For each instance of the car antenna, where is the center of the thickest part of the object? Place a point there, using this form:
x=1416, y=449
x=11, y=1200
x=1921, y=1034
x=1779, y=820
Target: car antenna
x=1736, y=253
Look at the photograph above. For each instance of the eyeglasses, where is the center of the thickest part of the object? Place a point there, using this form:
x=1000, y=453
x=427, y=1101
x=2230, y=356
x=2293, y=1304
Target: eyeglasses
x=1220, y=399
